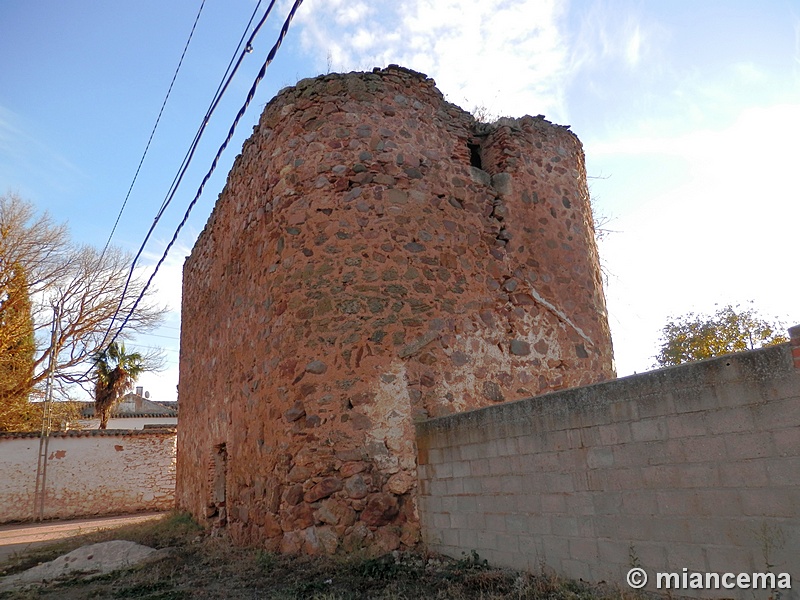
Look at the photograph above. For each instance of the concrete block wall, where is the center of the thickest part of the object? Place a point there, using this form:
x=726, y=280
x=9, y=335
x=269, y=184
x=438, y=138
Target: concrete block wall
x=88, y=473
x=696, y=466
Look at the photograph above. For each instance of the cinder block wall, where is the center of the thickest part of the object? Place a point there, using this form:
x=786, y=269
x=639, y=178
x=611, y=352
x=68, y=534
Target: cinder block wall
x=88, y=473
x=696, y=466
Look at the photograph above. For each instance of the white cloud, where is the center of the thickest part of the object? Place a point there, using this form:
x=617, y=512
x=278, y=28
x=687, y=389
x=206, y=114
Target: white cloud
x=720, y=235
x=610, y=33
x=168, y=280
x=168, y=286
x=161, y=385
x=512, y=57
x=24, y=156
x=352, y=13
x=749, y=73
x=634, y=47
x=796, y=26
x=363, y=40
x=8, y=129
x=509, y=56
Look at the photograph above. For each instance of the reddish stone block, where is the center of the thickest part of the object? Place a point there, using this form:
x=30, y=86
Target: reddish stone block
x=380, y=510
x=323, y=489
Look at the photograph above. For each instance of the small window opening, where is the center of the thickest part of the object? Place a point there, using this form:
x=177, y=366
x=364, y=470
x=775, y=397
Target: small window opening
x=475, y=155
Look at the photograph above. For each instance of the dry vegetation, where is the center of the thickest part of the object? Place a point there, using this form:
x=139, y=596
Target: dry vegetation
x=200, y=567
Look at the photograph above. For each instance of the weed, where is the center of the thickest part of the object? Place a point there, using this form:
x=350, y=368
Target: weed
x=266, y=561
x=633, y=558
x=770, y=538
x=472, y=560
x=141, y=590
x=635, y=563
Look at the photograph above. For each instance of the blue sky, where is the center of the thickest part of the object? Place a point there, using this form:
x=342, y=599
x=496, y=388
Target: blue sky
x=689, y=112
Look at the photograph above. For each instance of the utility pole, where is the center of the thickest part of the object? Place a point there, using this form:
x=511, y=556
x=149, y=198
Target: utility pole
x=47, y=422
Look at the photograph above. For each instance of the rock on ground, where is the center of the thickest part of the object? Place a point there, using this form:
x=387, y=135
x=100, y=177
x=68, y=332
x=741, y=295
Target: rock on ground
x=94, y=559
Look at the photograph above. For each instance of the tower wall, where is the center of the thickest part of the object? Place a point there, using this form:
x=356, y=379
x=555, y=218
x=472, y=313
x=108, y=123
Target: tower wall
x=376, y=258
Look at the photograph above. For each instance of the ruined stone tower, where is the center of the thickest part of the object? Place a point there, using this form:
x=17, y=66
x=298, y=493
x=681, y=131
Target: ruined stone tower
x=376, y=258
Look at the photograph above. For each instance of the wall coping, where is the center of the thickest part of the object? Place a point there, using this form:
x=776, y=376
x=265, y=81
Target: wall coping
x=74, y=433
x=794, y=340
x=143, y=415
x=752, y=365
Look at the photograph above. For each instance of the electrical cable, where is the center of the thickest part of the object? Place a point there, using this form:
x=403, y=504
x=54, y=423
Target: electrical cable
x=221, y=89
x=223, y=85
x=136, y=346
x=250, y=95
x=152, y=133
x=166, y=337
x=224, y=82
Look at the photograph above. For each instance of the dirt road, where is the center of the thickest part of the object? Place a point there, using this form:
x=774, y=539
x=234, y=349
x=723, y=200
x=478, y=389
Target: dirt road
x=20, y=537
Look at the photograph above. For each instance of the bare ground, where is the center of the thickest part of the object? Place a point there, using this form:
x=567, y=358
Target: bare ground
x=199, y=566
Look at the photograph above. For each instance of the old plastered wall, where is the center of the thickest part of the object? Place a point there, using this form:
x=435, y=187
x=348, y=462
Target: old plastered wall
x=377, y=257
x=695, y=466
x=88, y=473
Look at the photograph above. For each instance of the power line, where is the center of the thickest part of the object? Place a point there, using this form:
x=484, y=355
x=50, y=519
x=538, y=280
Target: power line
x=227, y=77
x=250, y=95
x=166, y=337
x=221, y=89
x=155, y=126
x=223, y=85
x=171, y=361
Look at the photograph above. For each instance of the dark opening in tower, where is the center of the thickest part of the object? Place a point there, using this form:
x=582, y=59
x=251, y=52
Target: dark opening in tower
x=475, y=155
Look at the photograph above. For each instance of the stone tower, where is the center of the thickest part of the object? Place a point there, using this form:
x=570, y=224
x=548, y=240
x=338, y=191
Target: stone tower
x=377, y=257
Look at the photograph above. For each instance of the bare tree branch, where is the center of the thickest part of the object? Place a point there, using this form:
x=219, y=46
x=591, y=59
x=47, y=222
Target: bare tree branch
x=81, y=283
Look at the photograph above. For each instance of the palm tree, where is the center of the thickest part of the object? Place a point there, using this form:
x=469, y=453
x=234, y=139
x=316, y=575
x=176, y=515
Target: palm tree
x=116, y=371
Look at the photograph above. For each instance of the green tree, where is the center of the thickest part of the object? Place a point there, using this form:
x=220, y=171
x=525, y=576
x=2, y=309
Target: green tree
x=115, y=372
x=694, y=337
x=17, y=349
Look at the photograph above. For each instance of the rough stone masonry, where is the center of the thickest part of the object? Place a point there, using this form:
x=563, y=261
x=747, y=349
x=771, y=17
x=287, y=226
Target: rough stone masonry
x=376, y=258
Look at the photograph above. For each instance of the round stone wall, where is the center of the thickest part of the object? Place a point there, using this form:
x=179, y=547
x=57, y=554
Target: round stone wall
x=376, y=258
